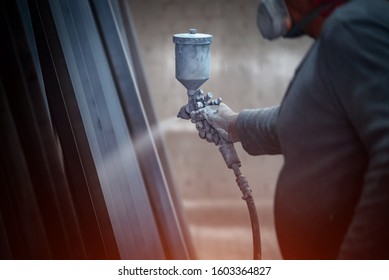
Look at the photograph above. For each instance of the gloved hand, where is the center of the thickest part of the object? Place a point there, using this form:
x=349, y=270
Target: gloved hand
x=221, y=118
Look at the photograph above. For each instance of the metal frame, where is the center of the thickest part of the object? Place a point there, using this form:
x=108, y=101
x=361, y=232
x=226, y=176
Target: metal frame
x=90, y=192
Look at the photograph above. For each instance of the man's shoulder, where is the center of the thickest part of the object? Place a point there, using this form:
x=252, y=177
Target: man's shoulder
x=358, y=29
x=358, y=19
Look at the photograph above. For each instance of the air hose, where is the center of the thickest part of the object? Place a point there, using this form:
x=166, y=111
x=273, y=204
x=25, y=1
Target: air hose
x=232, y=161
x=198, y=100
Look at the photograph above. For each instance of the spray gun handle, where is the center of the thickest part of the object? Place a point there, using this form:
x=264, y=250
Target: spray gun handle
x=198, y=100
x=229, y=154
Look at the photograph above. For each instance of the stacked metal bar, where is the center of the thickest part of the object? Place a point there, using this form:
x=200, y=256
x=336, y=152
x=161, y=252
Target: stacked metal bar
x=73, y=183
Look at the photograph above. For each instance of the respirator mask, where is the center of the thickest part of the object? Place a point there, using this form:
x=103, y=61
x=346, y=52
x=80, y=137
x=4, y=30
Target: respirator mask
x=274, y=19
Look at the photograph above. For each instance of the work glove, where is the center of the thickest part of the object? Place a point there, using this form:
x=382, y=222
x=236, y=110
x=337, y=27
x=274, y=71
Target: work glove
x=215, y=122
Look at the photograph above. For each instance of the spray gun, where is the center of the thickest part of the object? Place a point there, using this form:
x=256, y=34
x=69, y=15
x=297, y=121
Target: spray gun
x=192, y=70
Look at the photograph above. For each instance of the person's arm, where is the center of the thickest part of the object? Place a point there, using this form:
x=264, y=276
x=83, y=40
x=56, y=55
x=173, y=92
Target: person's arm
x=357, y=62
x=256, y=130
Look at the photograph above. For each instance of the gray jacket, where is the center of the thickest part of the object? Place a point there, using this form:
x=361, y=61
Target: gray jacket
x=332, y=127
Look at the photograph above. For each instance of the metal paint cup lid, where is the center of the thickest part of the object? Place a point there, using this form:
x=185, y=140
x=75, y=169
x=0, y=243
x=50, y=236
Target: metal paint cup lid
x=192, y=38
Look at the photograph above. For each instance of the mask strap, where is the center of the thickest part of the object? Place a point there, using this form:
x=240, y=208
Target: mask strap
x=297, y=28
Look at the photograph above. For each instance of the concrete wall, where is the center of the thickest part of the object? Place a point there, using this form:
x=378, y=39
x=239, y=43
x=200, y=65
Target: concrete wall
x=247, y=72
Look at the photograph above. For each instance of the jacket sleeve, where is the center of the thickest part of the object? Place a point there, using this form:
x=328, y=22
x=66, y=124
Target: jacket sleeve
x=357, y=60
x=257, y=131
